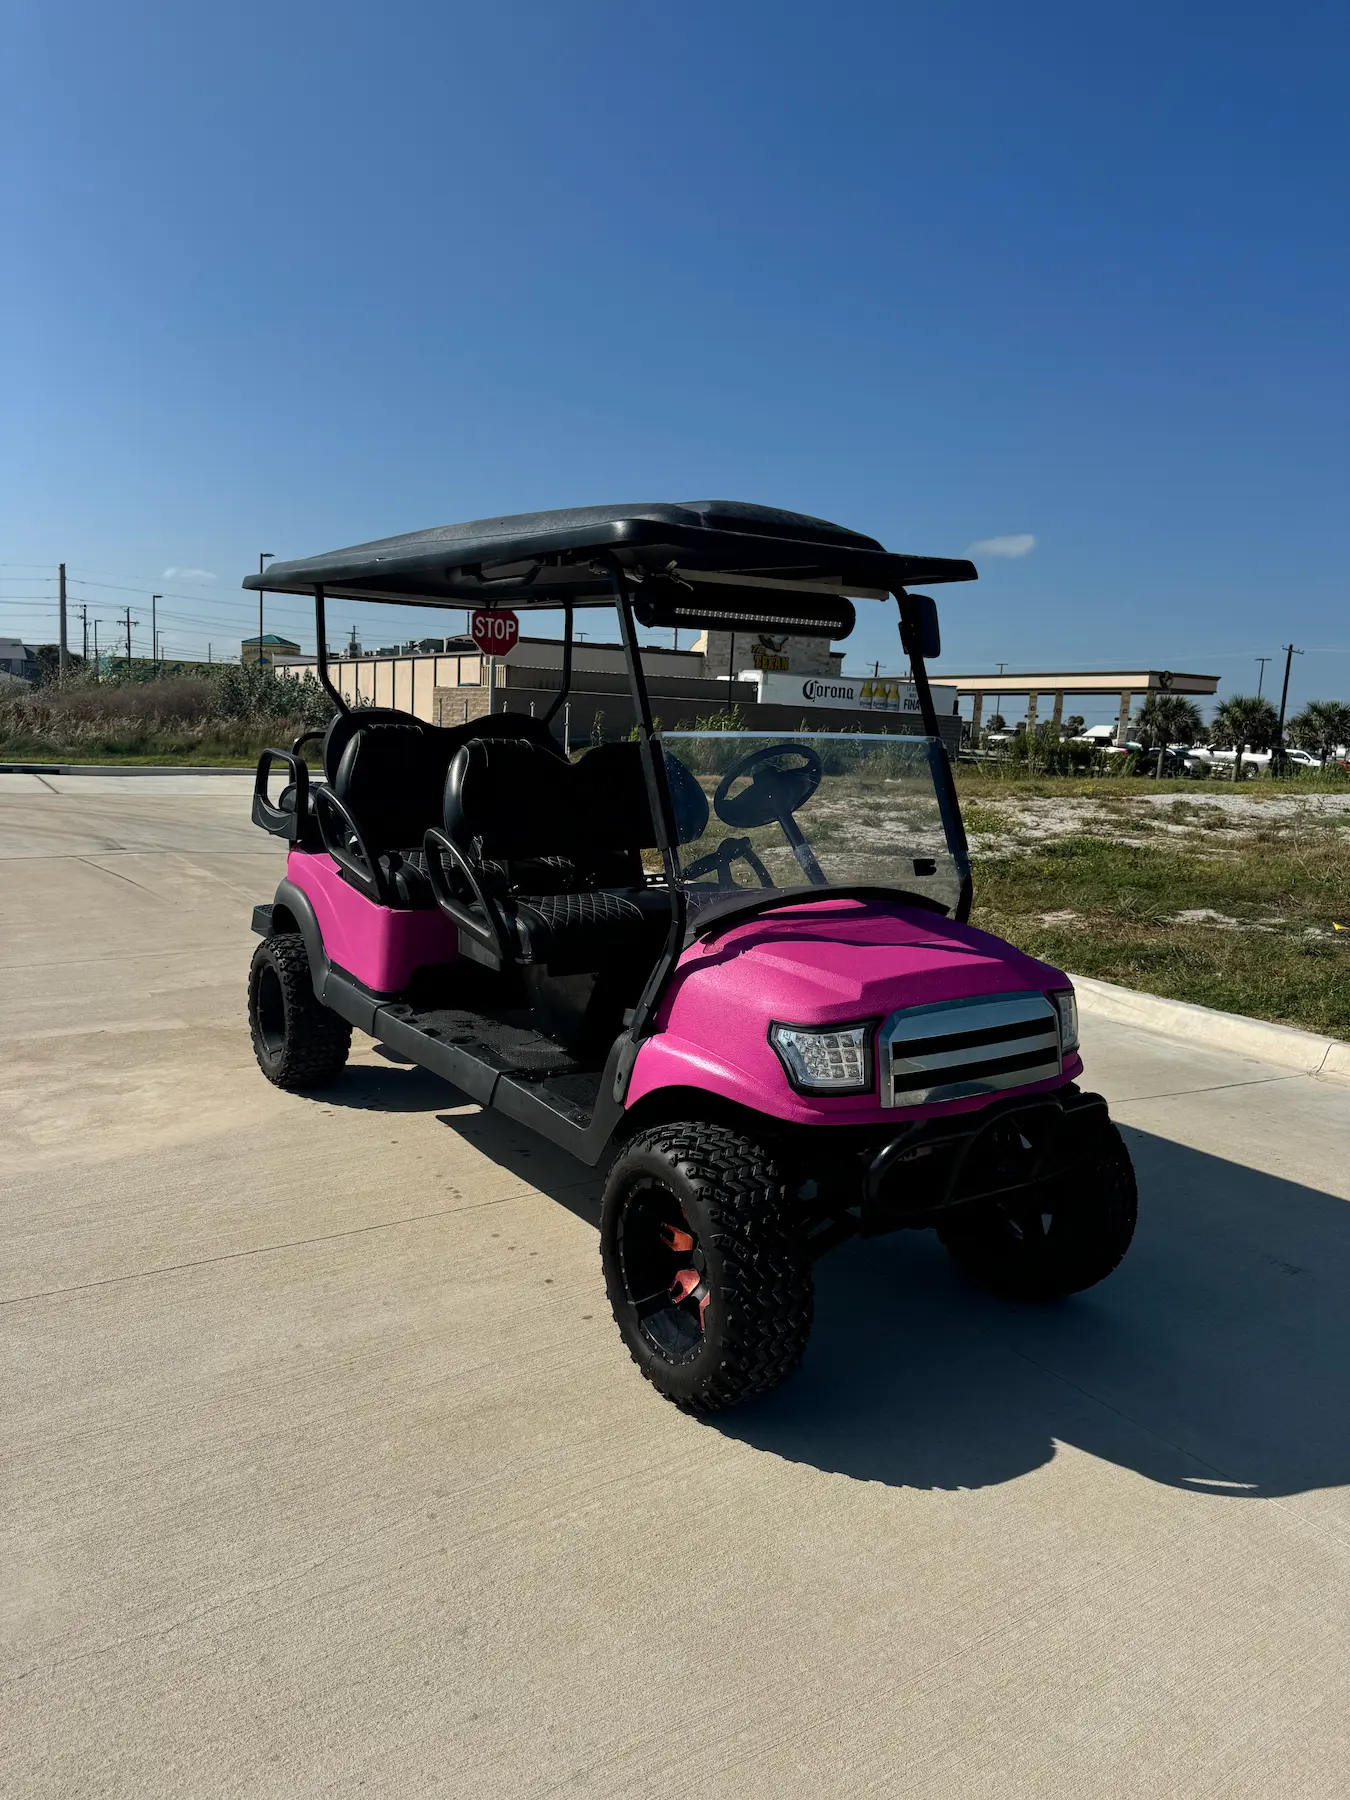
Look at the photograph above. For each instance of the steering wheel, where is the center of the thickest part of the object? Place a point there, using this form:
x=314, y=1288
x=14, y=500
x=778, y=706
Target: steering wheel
x=720, y=860
x=782, y=779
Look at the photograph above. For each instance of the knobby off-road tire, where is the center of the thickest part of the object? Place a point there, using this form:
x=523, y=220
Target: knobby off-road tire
x=299, y=1042
x=742, y=1325
x=1063, y=1242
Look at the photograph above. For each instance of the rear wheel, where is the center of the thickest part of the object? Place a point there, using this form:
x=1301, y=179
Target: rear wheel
x=705, y=1269
x=1067, y=1237
x=299, y=1042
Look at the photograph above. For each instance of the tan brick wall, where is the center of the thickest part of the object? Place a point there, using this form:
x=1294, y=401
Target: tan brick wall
x=453, y=705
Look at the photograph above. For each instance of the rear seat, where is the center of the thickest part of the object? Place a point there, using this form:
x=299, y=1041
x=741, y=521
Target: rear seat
x=387, y=770
x=389, y=777
x=558, y=848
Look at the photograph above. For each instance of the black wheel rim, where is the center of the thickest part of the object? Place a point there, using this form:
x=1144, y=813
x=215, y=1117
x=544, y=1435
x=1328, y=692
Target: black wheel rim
x=269, y=1011
x=663, y=1271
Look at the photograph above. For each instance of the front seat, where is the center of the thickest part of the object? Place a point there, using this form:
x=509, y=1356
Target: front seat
x=512, y=812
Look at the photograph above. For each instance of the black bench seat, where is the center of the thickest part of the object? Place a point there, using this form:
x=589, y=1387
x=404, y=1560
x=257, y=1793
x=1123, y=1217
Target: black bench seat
x=514, y=814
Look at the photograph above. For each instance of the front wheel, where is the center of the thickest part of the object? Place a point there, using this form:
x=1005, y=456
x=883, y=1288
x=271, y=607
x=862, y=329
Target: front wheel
x=704, y=1266
x=1066, y=1237
x=298, y=1041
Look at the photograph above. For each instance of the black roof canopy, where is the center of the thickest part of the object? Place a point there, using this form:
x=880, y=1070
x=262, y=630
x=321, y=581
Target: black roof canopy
x=543, y=559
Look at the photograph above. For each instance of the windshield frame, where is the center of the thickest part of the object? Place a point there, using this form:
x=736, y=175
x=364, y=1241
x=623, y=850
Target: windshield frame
x=716, y=915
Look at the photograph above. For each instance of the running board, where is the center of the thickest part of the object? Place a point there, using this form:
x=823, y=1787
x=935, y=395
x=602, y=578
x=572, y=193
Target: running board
x=548, y=1102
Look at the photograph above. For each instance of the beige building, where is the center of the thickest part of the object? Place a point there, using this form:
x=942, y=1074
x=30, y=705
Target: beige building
x=451, y=686
x=411, y=682
x=268, y=649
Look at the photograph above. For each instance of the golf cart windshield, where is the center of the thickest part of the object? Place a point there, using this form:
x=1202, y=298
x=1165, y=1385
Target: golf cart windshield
x=759, y=813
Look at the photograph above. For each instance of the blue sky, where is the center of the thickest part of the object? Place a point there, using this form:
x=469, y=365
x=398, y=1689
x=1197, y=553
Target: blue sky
x=288, y=276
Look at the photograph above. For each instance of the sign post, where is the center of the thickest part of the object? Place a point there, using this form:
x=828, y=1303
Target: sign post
x=496, y=633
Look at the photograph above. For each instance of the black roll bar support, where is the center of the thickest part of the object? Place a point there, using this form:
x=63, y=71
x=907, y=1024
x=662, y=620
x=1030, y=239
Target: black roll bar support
x=663, y=817
x=566, y=687
x=325, y=679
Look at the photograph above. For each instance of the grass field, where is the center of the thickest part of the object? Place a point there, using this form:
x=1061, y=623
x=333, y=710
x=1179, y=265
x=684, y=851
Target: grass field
x=206, y=744
x=1227, y=897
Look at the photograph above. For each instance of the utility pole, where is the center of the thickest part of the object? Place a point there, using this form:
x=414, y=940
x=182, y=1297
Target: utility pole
x=1290, y=652
x=154, y=633
x=1261, y=673
x=64, y=655
x=264, y=558
x=84, y=626
x=130, y=623
x=1001, y=667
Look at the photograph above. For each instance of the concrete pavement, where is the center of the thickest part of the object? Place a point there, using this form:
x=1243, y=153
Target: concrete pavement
x=324, y=1470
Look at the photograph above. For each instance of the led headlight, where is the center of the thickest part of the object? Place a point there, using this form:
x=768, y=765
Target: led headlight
x=835, y=1060
x=1067, y=1007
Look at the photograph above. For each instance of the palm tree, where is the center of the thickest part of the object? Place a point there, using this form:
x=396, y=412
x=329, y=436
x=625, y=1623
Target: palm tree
x=1245, y=719
x=1167, y=719
x=1321, y=726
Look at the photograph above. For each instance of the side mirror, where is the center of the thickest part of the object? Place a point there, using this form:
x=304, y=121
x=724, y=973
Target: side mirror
x=919, y=633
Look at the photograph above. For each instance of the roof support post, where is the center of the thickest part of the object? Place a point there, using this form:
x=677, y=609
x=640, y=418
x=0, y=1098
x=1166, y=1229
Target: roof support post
x=663, y=819
x=566, y=687
x=321, y=643
x=653, y=763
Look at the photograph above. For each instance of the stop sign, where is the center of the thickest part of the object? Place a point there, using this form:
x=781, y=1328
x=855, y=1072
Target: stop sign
x=495, y=632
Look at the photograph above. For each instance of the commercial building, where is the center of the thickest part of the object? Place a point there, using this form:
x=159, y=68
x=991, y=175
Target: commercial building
x=267, y=649
x=1076, y=684
x=457, y=683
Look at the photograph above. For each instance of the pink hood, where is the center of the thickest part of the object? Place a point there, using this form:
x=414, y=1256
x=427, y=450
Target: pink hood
x=833, y=962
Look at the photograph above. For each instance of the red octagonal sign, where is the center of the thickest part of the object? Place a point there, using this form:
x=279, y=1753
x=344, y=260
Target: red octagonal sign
x=495, y=632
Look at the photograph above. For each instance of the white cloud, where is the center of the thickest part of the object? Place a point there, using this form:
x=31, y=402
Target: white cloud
x=177, y=574
x=1018, y=545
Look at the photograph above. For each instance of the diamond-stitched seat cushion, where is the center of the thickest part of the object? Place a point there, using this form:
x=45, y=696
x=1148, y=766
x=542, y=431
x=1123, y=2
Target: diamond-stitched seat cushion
x=571, y=933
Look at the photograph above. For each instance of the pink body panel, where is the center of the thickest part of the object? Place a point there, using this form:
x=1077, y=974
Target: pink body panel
x=382, y=946
x=834, y=963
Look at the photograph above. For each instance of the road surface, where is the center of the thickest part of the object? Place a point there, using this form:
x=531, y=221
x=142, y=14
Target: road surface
x=324, y=1470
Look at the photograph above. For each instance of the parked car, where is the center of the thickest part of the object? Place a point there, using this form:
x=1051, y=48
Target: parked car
x=1204, y=761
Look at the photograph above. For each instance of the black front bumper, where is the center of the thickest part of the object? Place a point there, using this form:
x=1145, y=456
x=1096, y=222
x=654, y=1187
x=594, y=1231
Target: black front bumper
x=1005, y=1151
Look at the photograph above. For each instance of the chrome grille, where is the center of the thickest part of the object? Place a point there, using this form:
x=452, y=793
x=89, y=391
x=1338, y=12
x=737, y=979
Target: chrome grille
x=960, y=1048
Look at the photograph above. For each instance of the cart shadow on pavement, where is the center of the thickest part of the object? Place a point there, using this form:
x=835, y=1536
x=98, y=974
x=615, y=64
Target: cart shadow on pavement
x=389, y=1086
x=1217, y=1358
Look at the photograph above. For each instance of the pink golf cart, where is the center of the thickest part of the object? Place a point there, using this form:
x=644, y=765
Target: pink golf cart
x=734, y=967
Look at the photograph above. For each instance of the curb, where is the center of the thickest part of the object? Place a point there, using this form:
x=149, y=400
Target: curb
x=1282, y=1045
x=30, y=768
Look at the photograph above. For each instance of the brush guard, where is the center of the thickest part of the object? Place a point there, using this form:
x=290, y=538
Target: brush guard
x=1008, y=1149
